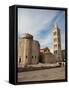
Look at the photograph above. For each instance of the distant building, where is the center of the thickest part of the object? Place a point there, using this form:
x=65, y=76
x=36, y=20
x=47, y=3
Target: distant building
x=57, y=43
x=46, y=56
x=63, y=55
x=28, y=50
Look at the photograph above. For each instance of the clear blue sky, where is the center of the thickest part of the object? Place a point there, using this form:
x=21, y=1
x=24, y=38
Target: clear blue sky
x=40, y=24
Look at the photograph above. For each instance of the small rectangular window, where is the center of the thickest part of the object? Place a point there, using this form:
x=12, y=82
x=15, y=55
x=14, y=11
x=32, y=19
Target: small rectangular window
x=32, y=56
x=26, y=56
x=19, y=60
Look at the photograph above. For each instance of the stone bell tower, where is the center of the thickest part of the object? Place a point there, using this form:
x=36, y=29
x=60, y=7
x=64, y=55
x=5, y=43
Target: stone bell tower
x=57, y=43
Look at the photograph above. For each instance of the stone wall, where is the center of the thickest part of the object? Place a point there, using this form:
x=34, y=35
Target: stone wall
x=35, y=52
x=49, y=58
x=46, y=56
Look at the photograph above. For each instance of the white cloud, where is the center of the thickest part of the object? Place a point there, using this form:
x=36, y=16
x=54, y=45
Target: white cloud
x=32, y=21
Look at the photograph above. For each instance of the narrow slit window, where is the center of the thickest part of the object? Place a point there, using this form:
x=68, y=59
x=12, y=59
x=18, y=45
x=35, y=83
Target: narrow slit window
x=26, y=56
x=32, y=56
x=19, y=60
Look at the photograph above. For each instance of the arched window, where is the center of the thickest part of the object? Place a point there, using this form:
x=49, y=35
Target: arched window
x=54, y=33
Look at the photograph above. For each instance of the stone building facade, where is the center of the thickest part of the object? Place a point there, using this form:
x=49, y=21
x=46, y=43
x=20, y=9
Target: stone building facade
x=46, y=56
x=28, y=50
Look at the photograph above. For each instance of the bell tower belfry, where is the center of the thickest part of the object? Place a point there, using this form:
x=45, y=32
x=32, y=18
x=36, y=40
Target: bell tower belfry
x=57, y=43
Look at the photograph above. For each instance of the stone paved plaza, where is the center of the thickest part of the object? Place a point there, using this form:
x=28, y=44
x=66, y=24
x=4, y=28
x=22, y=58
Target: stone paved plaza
x=45, y=74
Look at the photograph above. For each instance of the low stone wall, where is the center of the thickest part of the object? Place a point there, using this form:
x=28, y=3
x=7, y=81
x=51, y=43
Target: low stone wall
x=48, y=58
x=38, y=67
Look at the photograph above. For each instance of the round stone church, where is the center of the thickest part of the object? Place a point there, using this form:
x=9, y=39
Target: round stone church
x=28, y=50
